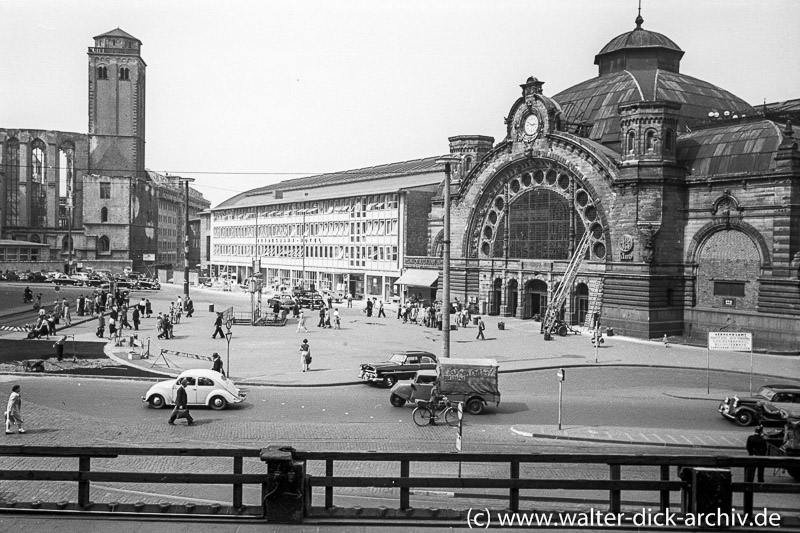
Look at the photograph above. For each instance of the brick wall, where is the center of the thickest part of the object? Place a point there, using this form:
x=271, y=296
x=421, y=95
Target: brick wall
x=728, y=255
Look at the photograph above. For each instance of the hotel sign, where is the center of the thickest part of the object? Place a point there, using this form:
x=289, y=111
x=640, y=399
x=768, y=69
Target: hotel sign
x=422, y=262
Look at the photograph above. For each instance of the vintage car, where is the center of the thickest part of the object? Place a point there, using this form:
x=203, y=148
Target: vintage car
x=311, y=299
x=37, y=277
x=285, y=301
x=402, y=365
x=60, y=278
x=205, y=387
x=746, y=411
x=418, y=388
x=79, y=279
x=148, y=285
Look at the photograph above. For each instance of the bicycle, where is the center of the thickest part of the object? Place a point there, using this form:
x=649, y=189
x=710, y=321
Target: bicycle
x=426, y=413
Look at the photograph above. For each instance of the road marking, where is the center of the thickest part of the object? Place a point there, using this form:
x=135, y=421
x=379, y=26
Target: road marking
x=629, y=437
x=687, y=440
x=659, y=438
x=644, y=437
x=673, y=439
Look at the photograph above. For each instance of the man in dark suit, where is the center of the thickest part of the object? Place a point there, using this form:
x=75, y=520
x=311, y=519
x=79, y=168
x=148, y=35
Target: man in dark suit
x=218, y=326
x=756, y=445
x=217, y=364
x=181, y=410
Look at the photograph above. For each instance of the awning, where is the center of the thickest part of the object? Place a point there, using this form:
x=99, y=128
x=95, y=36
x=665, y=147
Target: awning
x=418, y=278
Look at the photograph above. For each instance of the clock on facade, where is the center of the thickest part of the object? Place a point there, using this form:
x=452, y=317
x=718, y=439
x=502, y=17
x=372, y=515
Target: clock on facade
x=531, y=125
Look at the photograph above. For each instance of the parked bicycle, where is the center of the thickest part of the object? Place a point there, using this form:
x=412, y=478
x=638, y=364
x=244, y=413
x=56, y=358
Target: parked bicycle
x=427, y=413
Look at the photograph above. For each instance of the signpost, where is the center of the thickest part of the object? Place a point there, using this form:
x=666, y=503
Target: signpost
x=458, y=435
x=734, y=341
x=560, y=375
x=228, y=336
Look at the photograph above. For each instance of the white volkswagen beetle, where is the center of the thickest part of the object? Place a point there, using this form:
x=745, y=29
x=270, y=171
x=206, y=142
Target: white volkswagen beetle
x=204, y=387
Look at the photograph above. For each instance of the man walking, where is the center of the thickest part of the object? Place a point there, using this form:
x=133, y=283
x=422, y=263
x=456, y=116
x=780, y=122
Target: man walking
x=218, y=326
x=135, y=317
x=181, y=410
x=381, y=312
x=349, y=300
x=13, y=415
x=189, y=306
x=481, y=327
x=321, y=318
x=756, y=445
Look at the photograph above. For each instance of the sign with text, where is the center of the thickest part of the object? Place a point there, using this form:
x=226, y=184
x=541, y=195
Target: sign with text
x=730, y=341
x=148, y=257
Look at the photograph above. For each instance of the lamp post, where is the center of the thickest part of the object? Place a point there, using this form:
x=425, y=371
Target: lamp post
x=448, y=161
x=186, y=236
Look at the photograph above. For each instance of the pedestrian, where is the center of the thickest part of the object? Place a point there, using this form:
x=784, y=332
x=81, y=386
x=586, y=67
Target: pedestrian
x=369, y=307
x=56, y=311
x=349, y=300
x=148, y=308
x=305, y=354
x=51, y=324
x=481, y=327
x=66, y=313
x=189, y=305
x=142, y=306
x=101, y=326
x=301, y=322
x=38, y=304
x=13, y=409
x=181, y=409
x=330, y=302
x=296, y=311
x=666, y=341
x=112, y=326
x=135, y=317
x=217, y=364
x=321, y=318
x=756, y=445
x=160, y=325
x=328, y=318
x=337, y=319
x=218, y=327
x=81, y=305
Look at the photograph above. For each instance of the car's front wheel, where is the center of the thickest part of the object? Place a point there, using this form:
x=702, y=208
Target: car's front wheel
x=218, y=402
x=389, y=381
x=156, y=401
x=744, y=417
x=475, y=406
x=396, y=400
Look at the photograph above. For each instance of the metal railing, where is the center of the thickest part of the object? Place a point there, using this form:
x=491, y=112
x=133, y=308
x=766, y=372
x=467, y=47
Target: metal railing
x=511, y=474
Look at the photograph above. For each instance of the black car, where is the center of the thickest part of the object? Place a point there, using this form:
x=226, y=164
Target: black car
x=402, y=365
x=148, y=285
x=37, y=277
x=762, y=408
x=311, y=300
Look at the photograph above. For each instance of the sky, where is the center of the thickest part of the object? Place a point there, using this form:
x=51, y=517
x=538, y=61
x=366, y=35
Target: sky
x=244, y=93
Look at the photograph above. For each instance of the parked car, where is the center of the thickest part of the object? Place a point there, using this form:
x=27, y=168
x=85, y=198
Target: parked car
x=10, y=275
x=311, y=300
x=338, y=296
x=286, y=301
x=80, y=279
x=206, y=387
x=60, y=278
x=402, y=365
x=746, y=410
x=37, y=277
x=149, y=285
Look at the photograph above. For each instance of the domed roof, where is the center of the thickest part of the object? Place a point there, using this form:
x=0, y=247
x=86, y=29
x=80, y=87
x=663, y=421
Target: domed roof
x=639, y=38
x=593, y=106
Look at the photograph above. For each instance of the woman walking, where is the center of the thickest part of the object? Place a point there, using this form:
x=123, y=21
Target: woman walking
x=305, y=354
x=13, y=415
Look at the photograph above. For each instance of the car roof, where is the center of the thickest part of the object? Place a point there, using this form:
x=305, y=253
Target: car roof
x=783, y=386
x=415, y=352
x=200, y=372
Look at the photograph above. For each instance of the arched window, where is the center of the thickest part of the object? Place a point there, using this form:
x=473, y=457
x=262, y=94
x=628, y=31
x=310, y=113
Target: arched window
x=103, y=245
x=35, y=238
x=668, y=141
x=12, y=182
x=104, y=215
x=38, y=162
x=467, y=165
x=65, y=243
x=102, y=73
x=650, y=140
x=631, y=142
x=124, y=73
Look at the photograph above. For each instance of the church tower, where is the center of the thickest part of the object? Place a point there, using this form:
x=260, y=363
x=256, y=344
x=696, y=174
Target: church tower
x=116, y=105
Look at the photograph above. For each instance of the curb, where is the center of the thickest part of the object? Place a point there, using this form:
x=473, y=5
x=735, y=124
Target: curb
x=614, y=441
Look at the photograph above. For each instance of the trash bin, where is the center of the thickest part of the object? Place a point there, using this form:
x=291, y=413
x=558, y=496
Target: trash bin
x=210, y=308
x=475, y=320
x=484, y=306
x=501, y=325
x=59, y=346
x=609, y=332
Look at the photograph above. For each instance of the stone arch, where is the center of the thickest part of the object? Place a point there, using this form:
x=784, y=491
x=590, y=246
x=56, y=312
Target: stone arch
x=726, y=223
x=521, y=177
x=728, y=266
x=437, y=247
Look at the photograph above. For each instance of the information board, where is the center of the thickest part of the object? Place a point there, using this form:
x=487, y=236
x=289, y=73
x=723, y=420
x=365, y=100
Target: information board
x=733, y=341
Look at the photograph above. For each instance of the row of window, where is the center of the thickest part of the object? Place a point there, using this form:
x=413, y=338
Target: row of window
x=19, y=254
x=317, y=229
x=650, y=141
x=358, y=204
x=123, y=74
x=372, y=253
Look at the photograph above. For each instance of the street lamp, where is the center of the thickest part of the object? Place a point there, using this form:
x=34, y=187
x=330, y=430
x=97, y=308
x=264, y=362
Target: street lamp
x=186, y=237
x=448, y=160
x=228, y=336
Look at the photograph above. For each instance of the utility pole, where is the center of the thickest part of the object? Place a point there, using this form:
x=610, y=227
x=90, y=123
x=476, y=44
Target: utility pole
x=69, y=231
x=186, y=237
x=447, y=160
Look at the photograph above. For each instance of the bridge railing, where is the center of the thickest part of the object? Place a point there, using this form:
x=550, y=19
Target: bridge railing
x=302, y=485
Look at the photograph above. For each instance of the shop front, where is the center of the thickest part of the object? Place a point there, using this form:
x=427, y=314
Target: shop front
x=418, y=285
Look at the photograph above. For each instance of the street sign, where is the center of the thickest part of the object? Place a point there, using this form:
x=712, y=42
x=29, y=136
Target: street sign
x=561, y=374
x=57, y=288
x=734, y=341
x=458, y=442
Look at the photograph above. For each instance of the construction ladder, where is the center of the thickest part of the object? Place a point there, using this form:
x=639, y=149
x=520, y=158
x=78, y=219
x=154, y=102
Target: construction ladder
x=553, y=307
x=595, y=302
